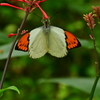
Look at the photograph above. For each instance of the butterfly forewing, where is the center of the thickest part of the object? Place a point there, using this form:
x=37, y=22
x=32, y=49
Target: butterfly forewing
x=23, y=42
x=71, y=40
x=37, y=44
x=56, y=40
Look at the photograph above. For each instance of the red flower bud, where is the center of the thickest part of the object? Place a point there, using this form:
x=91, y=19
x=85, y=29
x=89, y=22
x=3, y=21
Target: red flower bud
x=96, y=11
x=10, y=35
x=89, y=18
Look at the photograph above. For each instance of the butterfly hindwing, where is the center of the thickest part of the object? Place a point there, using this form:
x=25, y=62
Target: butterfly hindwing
x=71, y=40
x=22, y=43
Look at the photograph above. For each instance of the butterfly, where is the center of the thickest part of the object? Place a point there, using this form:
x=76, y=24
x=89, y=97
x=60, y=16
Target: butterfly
x=47, y=39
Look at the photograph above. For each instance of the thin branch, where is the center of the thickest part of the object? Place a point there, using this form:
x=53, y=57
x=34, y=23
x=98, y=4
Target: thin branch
x=97, y=68
x=95, y=53
x=94, y=87
x=11, y=50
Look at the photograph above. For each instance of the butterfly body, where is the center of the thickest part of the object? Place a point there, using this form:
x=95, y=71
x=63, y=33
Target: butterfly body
x=43, y=41
x=47, y=39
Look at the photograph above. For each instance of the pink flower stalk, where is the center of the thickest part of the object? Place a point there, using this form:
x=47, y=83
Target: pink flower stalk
x=13, y=34
x=96, y=11
x=28, y=1
x=31, y=4
x=89, y=18
x=6, y=4
x=45, y=16
x=10, y=35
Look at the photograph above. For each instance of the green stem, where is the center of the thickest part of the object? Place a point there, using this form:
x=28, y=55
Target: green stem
x=94, y=87
x=95, y=53
x=97, y=68
x=11, y=50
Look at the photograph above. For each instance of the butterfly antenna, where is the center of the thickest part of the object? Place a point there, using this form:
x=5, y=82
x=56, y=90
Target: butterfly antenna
x=55, y=14
x=37, y=15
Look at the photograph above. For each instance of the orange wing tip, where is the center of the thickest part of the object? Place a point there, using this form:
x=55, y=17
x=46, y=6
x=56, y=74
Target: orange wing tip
x=23, y=43
x=72, y=41
x=21, y=48
x=73, y=45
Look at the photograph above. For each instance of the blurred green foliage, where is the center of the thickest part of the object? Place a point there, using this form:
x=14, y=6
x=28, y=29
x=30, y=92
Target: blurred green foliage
x=25, y=72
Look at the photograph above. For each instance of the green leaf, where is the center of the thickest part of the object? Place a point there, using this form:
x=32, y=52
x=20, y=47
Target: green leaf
x=86, y=43
x=89, y=44
x=9, y=88
x=83, y=84
x=4, y=38
x=5, y=51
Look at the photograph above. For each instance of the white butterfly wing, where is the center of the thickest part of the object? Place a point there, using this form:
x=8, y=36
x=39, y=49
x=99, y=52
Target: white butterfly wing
x=57, y=44
x=37, y=44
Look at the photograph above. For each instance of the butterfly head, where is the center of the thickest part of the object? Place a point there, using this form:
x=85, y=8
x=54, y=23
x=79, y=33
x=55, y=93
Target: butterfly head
x=46, y=22
x=46, y=25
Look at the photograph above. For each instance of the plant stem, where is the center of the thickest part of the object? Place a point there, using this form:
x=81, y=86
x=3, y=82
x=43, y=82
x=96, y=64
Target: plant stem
x=97, y=68
x=94, y=87
x=95, y=54
x=11, y=50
